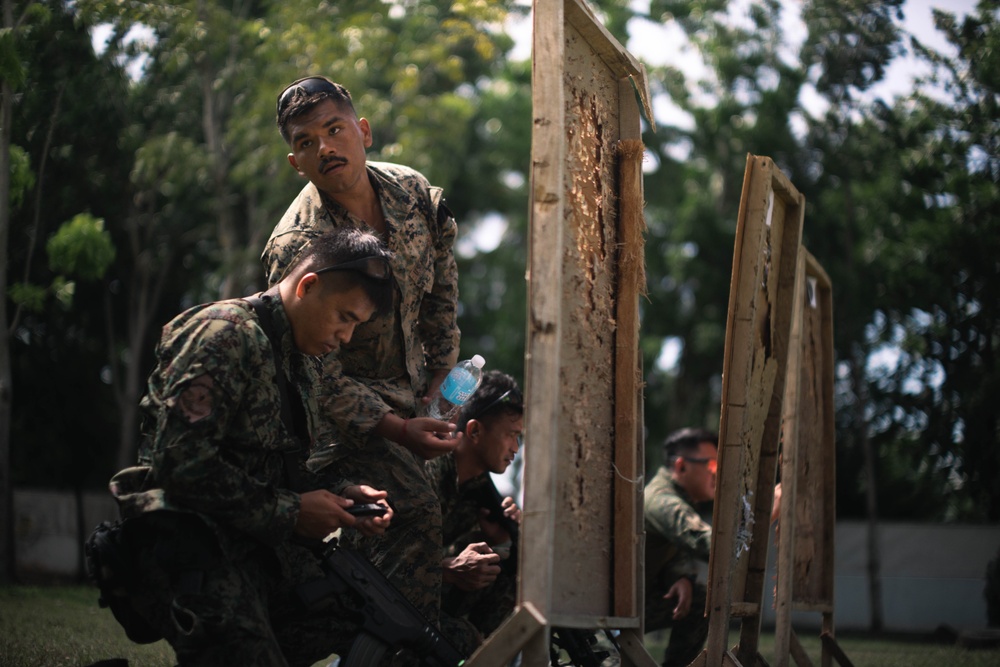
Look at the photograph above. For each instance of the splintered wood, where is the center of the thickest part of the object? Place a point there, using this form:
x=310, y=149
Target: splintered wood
x=808, y=460
x=581, y=558
x=588, y=339
x=581, y=532
x=765, y=257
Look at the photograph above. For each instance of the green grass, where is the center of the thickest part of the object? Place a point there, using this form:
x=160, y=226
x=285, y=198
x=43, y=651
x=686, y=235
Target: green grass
x=864, y=650
x=62, y=626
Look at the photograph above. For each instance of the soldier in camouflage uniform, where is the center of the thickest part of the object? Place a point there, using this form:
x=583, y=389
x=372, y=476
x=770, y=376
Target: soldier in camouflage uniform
x=678, y=512
x=211, y=510
x=475, y=585
x=374, y=386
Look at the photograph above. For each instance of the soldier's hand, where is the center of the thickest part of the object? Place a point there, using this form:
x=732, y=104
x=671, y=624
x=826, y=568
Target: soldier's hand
x=476, y=567
x=682, y=590
x=511, y=510
x=428, y=437
x=321, y=513
x=371, y=525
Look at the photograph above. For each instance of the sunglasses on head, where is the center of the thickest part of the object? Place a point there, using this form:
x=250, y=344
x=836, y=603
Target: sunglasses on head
x=376, y=267
x=503, y=398
x=309, y=85
x=712, y=464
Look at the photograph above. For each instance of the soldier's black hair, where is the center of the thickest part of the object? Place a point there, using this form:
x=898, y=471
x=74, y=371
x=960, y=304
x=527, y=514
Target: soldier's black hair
x=685, y=441
x=343, y=245
x=498, y=394
x=299, y=97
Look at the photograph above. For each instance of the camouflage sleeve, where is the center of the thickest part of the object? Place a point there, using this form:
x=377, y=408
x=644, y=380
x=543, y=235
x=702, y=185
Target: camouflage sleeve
x=438, y=321
x=354, y=407
x=213, y=450
x=302, y=222
x=677, y=521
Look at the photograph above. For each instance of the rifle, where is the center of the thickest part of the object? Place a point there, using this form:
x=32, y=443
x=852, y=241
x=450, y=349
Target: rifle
x=388, y=619
x=579, y=647
x=489, y=498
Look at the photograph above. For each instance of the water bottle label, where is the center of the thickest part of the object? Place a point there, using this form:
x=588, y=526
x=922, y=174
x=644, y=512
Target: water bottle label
x=458, y=386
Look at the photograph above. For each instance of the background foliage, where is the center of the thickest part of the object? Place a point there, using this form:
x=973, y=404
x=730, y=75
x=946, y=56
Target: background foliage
x=166, y=134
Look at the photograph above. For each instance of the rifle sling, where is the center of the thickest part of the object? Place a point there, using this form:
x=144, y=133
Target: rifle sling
x=293, y=414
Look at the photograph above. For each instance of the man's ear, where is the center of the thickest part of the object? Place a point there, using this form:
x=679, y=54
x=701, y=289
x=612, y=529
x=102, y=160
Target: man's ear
x=473, y=429
x=295, y=164
x=366, y=132
x=306, y=283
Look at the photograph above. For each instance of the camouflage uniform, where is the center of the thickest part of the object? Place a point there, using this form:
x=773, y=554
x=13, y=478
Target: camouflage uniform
x=210, y=514
x=677, y=533
x=486, y=608
x=384, y=367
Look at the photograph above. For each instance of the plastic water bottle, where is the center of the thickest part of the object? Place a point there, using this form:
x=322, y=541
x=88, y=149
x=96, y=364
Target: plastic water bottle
x=457, y=388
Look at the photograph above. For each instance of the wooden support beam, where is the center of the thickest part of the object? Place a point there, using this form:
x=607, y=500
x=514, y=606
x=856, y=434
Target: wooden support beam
x=798, y=653
x=508, y=640
x=831, y=646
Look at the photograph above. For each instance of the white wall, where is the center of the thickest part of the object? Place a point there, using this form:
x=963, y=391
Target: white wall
x=932, y=574
x=46, y=529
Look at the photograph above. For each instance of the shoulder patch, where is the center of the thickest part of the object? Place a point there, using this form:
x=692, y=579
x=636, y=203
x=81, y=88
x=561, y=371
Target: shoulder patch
x=195, y=401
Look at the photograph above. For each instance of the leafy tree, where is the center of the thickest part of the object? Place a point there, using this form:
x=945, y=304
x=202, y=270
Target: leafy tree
x=942, y=294
x=16, y=22
x=692, y=193
x=177, y=155
x=493, y=190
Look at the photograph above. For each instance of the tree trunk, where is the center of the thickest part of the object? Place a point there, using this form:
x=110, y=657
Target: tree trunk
x=871, y=497
x=144, y=295
x=6, y=372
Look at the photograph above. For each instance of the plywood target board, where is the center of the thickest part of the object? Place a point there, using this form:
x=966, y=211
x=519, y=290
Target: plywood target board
x=580, y=558
x=761, y=299
x=805, y=542
x=574, y=337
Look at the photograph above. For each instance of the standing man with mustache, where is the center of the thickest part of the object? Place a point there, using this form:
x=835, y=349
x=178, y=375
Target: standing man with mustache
x=378, y=383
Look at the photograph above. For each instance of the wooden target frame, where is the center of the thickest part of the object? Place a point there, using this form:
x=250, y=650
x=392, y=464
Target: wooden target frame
x=580, y=561
x=761, y=305
x=805, y=535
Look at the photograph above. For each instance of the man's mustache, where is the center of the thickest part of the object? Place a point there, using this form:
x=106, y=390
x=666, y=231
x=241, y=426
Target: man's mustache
x=326, y=163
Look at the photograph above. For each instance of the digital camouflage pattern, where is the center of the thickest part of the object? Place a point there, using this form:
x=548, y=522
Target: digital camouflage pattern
x=677, y=535
x=213, y=452
x=212, y=432
x=384, y=367
x=459, y=504
x=487, y=608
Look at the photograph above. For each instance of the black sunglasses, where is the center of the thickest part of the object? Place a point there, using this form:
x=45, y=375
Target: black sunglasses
x=376, y=267
x=309, y=85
